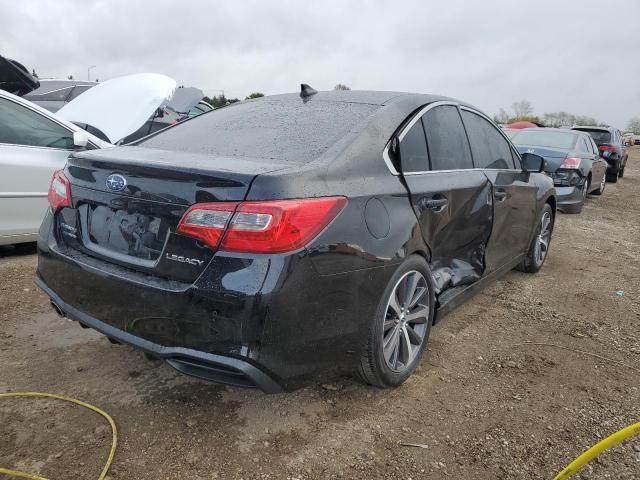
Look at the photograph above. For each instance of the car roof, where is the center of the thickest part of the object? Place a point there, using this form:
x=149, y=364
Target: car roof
x=591, y=127
x=370, y=97
x=556, y=129
x=50, y=85
x=66, y=81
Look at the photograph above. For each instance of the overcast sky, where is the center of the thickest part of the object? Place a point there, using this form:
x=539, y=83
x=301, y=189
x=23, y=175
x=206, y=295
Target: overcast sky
x=582, y=57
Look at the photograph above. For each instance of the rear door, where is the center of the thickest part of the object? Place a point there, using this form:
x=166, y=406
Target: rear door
x=452, y=201
x=513, y=192
x=32, y=147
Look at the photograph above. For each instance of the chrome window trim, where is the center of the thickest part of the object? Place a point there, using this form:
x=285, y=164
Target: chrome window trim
x=414, y=120
x=36, y=146
x=462, y=170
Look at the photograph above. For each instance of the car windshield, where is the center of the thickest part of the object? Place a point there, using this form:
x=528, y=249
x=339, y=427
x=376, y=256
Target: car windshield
x=544, y=138
x=285, y=129
x=600, y=136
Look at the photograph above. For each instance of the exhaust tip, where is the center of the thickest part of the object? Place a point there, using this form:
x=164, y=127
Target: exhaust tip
x=57, y=309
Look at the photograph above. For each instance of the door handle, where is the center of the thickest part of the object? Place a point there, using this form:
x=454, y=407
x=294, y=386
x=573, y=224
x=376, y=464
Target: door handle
x=500, y=196
x=433, y=203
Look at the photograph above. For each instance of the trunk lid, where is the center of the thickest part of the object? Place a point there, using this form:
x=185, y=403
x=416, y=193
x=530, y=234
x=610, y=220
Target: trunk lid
x=553, y=156
x=128, y=201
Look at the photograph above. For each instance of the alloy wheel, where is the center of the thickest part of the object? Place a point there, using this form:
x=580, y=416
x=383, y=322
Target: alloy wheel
x=544, y=237
x=405, y=321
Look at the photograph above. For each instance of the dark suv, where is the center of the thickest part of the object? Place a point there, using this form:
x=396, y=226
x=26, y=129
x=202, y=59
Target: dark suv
x=610, y=145
x=286, y=239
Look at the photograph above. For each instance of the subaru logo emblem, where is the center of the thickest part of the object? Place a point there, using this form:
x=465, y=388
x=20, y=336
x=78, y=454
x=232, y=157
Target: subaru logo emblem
x=116, y=182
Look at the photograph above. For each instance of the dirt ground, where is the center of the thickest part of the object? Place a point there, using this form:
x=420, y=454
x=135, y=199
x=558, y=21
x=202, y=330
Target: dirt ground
x=485, y=403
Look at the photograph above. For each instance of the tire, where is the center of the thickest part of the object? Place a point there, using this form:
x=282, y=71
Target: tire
x=390, y=324
x=537, y=253
x=602, y=186
x=585, y=190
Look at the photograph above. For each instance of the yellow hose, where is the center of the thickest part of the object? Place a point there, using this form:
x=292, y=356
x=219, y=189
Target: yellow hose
x=597, y=449
x=114, y=430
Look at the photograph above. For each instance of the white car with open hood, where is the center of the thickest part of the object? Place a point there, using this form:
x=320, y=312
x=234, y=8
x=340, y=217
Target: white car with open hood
x=35, y=142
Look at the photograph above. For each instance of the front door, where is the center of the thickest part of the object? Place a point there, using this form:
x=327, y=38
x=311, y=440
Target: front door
x=513, y=191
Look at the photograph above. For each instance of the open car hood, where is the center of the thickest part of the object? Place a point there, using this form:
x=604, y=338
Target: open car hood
x=15, y=78
x=119, y=107
x=184, y=99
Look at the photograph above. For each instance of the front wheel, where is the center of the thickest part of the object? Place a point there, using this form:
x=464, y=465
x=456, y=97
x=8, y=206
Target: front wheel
x=399, y=332
x=539, y=248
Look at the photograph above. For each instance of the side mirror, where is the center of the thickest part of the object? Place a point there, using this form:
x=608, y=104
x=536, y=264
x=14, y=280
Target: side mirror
x=532, y=163
x=80, y=139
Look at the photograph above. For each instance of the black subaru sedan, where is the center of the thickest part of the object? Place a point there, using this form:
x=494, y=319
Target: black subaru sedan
x=288, y=239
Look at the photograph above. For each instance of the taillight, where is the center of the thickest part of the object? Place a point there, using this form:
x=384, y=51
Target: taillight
x=273, y=226
x=570, y=163
x=59, y=191
x=608, y=149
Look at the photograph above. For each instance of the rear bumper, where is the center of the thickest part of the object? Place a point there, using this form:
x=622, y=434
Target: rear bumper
x=570, y=199
x=208, y=366
x=272, y=322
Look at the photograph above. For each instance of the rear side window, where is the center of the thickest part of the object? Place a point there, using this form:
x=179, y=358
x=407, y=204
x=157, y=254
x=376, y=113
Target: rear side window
x=446, y=139
x=413, y=150
x=490, y=149
x=583, y=146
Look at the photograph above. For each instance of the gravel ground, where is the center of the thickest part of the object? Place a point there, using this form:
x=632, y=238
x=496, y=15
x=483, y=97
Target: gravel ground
x=484, y=404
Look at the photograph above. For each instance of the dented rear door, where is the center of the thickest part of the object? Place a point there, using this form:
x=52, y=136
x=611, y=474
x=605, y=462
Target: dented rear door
x=453, y=202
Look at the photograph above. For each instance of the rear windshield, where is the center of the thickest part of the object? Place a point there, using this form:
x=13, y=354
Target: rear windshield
x=599, y=136
x=544, y=138
x=284, y=129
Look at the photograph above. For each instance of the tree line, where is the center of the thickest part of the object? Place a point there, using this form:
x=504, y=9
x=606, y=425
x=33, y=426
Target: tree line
x=523, y=111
